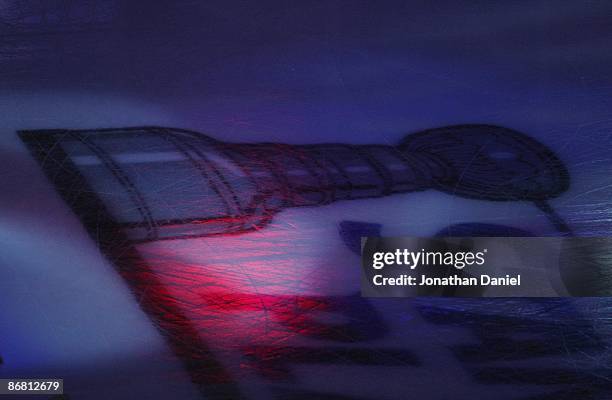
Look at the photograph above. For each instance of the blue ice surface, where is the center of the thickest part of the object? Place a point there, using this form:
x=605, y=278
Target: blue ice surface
x=308, y=73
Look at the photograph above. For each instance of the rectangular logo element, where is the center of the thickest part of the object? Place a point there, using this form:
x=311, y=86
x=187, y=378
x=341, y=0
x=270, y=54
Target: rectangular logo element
x=486, y=266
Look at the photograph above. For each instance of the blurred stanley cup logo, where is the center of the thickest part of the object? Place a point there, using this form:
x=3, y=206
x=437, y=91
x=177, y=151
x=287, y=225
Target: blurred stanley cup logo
x=161, y=183
x=134, y=189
